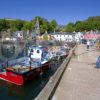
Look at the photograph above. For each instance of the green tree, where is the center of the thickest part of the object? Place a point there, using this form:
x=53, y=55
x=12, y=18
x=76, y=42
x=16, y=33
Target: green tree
x=28, y=26
x=53, y=25
x=4, y=25
x=70, y=27
x=43, y=23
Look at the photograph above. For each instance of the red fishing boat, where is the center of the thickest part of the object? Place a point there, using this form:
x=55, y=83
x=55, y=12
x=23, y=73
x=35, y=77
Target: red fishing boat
x=18, y=75
x=28, y=67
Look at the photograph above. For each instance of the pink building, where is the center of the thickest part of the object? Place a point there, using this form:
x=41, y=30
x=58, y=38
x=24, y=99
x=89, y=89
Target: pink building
x=91, y=35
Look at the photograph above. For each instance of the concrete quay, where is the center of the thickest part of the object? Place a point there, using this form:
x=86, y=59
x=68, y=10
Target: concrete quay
x=81, y=80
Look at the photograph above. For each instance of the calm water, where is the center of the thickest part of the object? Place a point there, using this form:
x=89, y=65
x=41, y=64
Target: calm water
x=29, y=91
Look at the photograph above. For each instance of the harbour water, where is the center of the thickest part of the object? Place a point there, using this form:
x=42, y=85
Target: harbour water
x=29, y=91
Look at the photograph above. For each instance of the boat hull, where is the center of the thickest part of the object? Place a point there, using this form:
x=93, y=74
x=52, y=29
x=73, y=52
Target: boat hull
x=45, y=66
x=17, y=78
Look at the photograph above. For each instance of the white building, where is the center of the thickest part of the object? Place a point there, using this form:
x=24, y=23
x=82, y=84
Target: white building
x=68, y=37
x=19, y=34
x=78, y=36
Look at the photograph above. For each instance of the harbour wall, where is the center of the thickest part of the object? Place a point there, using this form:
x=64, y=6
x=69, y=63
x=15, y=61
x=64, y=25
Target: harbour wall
x=49, y=89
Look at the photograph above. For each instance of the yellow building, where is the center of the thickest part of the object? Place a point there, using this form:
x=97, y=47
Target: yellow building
x=46, y=37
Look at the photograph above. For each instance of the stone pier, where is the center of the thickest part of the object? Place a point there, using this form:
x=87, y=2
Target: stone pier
x=81, y=80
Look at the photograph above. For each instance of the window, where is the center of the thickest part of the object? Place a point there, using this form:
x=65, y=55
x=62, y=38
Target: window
x=38, y=51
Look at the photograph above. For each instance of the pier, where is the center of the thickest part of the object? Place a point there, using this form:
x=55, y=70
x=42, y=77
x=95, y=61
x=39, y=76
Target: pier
x=76, y=80
x=81, y=79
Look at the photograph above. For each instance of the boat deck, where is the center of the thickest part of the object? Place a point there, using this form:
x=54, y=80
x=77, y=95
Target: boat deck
x=20, y=69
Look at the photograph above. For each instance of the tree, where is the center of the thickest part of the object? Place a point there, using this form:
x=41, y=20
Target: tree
x=92, y=23
x=53, y=25
x=44, y=26
x=4, y=25
x=28, y=26
x=70, y=27
x=43, y=23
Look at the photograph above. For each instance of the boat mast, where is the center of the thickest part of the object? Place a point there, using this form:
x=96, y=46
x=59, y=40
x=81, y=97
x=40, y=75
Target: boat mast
x=37, y=31
x=37, y=27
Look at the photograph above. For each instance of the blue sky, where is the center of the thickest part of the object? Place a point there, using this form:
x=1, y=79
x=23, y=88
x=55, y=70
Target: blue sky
x=64, y=11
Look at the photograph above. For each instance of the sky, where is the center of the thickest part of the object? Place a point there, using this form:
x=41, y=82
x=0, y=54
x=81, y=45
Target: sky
x=63, y=11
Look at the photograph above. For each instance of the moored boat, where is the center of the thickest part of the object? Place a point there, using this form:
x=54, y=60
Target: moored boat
x=27, y=68
x=17, y=74
x=21, y=70
x=40, y=55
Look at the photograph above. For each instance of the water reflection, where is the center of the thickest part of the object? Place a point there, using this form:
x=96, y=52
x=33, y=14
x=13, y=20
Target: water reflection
x=29, y=91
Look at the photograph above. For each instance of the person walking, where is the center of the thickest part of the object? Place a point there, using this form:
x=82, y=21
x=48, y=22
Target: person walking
x=88, y=45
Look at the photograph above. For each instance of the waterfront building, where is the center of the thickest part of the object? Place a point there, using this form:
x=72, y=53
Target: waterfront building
x=68, y=37
x=19, y=35
x=78, y=36
x=91, y=35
